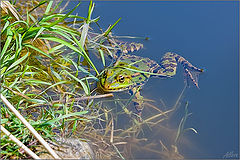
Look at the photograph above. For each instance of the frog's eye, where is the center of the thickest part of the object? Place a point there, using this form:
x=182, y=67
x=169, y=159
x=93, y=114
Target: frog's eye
x=121, y=78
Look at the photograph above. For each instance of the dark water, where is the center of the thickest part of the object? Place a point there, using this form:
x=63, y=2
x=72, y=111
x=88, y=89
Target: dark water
x=207, y=35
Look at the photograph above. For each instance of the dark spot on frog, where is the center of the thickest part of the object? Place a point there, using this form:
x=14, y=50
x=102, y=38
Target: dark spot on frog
x=169, y=65
x=130, y=92
x=166, y=58
x=144, y=75
x=121, y=64
x=140, y=78
x=152, y=65
x=138, y=84
x=136, y=65
x=168, y=70
x=144, y=61
x=132, y=60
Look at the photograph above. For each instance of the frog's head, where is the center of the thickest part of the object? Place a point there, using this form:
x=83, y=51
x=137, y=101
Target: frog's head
x=115, y=79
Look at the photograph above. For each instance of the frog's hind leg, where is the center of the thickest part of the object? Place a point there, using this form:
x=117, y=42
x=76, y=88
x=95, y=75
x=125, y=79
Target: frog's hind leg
x=169, y=66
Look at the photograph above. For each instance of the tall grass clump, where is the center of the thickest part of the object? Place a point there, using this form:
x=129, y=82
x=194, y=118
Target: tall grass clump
x=48, y=74
x=39, y=75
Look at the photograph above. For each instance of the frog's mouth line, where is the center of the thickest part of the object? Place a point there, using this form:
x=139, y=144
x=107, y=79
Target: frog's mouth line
x=102, y=86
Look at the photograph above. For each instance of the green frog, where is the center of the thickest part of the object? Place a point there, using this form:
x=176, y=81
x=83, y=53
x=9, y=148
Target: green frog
x=130, y=72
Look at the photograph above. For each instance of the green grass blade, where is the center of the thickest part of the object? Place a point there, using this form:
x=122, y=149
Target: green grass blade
x=109, y=30
x=90, y=10
x=61, y=19
x=84, y=34
x=88, y=87
x=18, y=62
x=62, y=82
x=56, y=48
x=7, y=43
x=5, y=26
x=69, y=45
x=85, y=55
x=85, y=88
x=38, y=33
x=38, y=5
x=83, y=70
x=38, y=50
x=49, y=6
x=67, y=116
x=54, y=9
x=102, y=57
x=64, y=35
x=55, y=73
x=47, y=18
x=32, y=81
x=18, y=22
x=38, y=101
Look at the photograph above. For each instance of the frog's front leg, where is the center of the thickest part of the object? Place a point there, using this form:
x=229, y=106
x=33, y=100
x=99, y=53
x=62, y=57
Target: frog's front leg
x=139, y=102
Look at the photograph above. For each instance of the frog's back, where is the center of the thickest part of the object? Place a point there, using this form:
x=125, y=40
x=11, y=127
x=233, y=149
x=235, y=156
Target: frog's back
x=136, y=62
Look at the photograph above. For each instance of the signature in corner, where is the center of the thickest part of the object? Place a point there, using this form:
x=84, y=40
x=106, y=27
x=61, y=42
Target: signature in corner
x=230, y=154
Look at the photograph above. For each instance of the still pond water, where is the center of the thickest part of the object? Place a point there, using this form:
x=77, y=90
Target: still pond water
x=207, y=35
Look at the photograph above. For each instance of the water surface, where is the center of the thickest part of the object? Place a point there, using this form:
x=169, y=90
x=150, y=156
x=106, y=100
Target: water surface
x=207, y=35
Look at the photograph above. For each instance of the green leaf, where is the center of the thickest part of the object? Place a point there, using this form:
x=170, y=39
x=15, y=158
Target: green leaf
x=85, y=88
x=47, y=18
x=61, y=82
x=69, y=45
x=64, y=35
x=39, y=101
x=80, y=52
x=49, y=6
x=37, y=82
x=5, y=120
x=38, y=50
x=55, y=73
x=86, y=56
x=61, y=19
x=57, y=47
x=109, y=30
x=66, y=116
x=38, y=5
x=90, y=10
x=102, y=56
x=7, y=42
x=5, y=26
x=18, y=62
x=39, y=32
